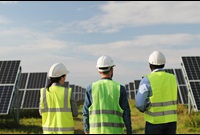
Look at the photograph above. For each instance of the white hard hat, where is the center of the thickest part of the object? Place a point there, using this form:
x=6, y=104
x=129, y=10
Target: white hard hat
x=57, y=70
x=104, y=63
x=157, y=58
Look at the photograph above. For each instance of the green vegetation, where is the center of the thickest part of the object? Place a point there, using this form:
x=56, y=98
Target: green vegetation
x=30, y=122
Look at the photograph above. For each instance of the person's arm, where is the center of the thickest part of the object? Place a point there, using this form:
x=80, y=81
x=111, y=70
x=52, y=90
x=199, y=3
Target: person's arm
x=74, y=107
x=127, y=112
x=87, y=104
x=143, y=94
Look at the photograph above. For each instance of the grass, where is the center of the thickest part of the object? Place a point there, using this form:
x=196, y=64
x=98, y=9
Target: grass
x=30, y=122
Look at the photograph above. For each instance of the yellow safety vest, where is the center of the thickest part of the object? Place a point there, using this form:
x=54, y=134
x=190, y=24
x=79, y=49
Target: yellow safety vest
x=56, y=111
x=105, y=113
x=164, y=98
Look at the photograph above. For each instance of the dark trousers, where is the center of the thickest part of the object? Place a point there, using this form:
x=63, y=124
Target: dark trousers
x=167, y=128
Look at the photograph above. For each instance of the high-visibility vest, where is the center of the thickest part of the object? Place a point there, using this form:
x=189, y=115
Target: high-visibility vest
x=164, y=98
x=105, y=113
x=56, y=110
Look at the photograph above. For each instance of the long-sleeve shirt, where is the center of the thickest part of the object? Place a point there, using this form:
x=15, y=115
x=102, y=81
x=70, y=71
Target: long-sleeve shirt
x=123, y=102
x=144, y=92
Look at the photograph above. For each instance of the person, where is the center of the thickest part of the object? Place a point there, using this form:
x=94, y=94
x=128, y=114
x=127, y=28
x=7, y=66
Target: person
x=106, y=108
x=157, y=97
x=57, y=103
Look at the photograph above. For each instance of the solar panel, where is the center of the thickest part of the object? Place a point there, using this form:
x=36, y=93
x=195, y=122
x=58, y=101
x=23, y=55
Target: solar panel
x=20, y=98
x=127, y=90
x=23, y=80
x=131, y=84
x=180, y=77
x=32, y=99
x=37, y=80
x=127, y=87
x=136, y=82
x=9, y=75
x=191, y=70
x=132, y=94
x=76, y=92
x=73, y=90
x=30, y=85
x=182, y=93
x=6, y=93
x=9, y=71
x=192, y=67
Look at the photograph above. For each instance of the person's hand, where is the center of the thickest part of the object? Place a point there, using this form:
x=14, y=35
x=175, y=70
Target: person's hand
x=86, y=132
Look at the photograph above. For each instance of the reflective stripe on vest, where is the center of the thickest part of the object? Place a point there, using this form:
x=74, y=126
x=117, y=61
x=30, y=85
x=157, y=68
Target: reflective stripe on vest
x=49, y=125
x=47, y=109
x=105, y=113
x=57, y=129
x=164, y=99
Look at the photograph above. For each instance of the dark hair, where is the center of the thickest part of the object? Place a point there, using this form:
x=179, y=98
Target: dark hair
x=104, y=68
x=54, y=80
x=157, y=66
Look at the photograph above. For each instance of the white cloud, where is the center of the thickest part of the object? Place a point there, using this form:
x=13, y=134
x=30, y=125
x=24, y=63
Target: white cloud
x=141, y=44
x=118, y=15
x=8, y=2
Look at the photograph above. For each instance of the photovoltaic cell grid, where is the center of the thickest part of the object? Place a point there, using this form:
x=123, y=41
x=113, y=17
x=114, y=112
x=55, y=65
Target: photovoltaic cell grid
x=191, y=68
x=183, y=91
x=23, y=80
x=8, y=75
x=8, y=71
x=131, y=90
x=22, y=86
x=35, y=81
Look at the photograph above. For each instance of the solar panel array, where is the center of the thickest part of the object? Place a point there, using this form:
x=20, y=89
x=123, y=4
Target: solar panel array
x=30, y=85
x=131, y=89
x=191, y=69
x=9, y=73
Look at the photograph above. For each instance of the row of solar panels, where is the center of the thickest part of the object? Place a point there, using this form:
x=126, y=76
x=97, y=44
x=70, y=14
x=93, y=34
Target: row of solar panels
x=132, y=87
x=22, y=90
x=29, y=84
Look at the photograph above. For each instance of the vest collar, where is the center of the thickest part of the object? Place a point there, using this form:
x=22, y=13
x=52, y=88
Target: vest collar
x=57, y=84
x=107, y=78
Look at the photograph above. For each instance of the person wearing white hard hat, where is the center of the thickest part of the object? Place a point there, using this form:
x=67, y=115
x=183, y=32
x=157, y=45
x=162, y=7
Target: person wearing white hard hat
x=57, y=103
x=106, y=109
x=157, y=97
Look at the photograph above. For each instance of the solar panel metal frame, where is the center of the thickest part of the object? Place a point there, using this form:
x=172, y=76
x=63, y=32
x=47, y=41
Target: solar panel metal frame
x=191, y=100
x=14, y=93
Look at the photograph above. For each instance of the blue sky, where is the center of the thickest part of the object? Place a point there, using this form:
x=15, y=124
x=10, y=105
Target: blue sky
x=77, y=33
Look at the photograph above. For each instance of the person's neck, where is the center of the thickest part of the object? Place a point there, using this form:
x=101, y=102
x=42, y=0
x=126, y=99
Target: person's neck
x=106, y=76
